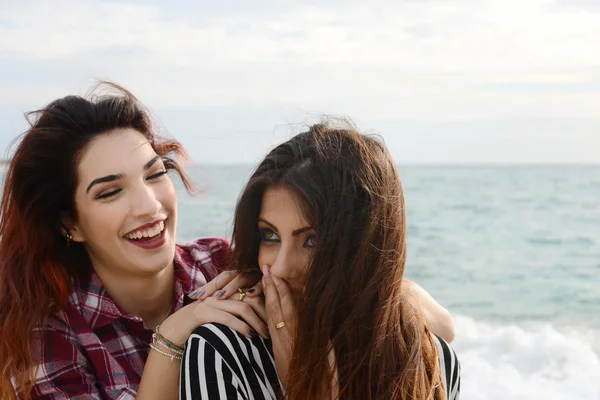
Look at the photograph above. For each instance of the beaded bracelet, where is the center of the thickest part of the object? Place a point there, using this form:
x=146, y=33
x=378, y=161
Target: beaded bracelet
x=170, y=355
x=157, y=342
x=157, y=337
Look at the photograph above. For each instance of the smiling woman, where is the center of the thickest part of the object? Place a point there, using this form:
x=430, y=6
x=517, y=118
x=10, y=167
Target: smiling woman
x=89, y=267
x=120, y=215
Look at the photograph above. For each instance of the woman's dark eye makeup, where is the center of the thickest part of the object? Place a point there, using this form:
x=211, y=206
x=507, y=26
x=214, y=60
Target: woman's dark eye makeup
x=268, y=235
x=310, y=241
x=106, y=195
x=158, y=174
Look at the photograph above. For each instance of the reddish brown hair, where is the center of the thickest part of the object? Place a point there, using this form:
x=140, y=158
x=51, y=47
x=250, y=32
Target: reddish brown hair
x=354, y=303
x=37, y=270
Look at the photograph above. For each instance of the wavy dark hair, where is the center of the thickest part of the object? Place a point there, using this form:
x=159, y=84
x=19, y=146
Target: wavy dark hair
x=354, y=303
x=37, y=271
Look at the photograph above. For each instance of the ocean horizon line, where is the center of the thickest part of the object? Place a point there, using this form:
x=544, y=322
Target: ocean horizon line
x=430, y=164
x=451, y=164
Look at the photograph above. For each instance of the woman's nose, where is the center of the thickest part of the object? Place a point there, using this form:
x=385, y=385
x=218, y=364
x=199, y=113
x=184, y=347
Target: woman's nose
x=144, y=202
x=284, y=265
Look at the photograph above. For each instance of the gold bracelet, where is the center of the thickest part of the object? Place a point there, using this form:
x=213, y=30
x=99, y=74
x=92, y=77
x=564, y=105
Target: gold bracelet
x=157, y=341
x=166, y=342
x=171, y=356
x=163, y=345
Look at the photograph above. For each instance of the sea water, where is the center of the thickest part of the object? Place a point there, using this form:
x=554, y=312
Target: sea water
x=512, y=251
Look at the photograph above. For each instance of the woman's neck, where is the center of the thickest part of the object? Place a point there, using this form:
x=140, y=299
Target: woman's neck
x=148, y=297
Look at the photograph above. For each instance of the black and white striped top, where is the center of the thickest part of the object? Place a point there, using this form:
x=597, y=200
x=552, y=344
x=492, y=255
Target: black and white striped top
x=221, y=364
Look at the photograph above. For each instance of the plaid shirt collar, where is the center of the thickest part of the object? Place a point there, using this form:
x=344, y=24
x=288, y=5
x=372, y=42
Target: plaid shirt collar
x=99, y=309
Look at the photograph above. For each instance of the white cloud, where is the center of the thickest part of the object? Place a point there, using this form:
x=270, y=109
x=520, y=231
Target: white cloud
x=456, y=60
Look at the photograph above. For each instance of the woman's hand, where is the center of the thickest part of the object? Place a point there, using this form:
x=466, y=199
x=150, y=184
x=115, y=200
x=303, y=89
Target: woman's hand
x=246, y=316
x=228, y=283
x=282, y=317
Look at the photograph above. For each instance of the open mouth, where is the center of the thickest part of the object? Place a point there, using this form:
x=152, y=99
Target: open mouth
x=148, y=237
x=148, y=233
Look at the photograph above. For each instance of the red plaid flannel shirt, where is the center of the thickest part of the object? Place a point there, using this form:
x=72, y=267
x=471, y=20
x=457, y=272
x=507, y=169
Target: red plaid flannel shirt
x=92, y=349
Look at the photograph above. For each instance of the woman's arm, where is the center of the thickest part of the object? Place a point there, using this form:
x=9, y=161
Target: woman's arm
x=438, y=318
x=160, y=379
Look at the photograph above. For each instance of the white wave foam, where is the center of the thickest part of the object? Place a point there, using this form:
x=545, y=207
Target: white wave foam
x=516, y=363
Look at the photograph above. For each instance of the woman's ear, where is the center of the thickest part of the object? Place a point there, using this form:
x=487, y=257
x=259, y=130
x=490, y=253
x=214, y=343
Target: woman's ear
x=69, y=227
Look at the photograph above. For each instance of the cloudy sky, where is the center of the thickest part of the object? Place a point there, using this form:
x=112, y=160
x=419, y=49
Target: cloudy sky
x=443, y=81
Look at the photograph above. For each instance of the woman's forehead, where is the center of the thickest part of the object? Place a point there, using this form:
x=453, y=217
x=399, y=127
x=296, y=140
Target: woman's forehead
x=284, y=205
x=117, y=152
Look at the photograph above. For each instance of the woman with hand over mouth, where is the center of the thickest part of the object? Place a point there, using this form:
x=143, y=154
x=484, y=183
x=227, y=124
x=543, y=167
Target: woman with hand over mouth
x=323, y=218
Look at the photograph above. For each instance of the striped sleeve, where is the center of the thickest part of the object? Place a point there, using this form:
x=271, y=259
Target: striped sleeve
x=450, y=367
x=221, y=364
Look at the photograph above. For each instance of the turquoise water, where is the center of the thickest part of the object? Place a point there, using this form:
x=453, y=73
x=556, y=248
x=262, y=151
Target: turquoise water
x=512, y=252
x=496, y=243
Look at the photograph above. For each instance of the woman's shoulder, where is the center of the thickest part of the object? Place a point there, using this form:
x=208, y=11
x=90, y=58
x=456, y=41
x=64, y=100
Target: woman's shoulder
x=227, y=341
x=203, y=247
x=211, y=254
x=449, y=366
x=244, y=364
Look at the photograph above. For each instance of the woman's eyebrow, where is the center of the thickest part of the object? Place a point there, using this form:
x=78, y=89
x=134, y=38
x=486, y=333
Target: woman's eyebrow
x=151, y=163
x=114, y=177
x=264, y=221
x=301, y=230
x=107, y=178
x=294, y=233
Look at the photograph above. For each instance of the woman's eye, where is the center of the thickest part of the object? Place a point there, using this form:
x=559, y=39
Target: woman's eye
x=157, y=175
x=108, y=194
x=310, y=241
x=268, y=235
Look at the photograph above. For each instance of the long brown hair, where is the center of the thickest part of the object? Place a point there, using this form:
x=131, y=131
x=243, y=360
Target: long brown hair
x=37, y=270
x=354, y=303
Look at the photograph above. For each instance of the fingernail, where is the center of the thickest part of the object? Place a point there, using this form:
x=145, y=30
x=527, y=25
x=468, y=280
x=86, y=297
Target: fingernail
x=251, y=291
x=197, y=293
x=253, y=334
x=221, y=293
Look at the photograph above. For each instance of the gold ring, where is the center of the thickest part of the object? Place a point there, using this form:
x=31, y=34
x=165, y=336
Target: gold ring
x=242, y=294
x=280, y=325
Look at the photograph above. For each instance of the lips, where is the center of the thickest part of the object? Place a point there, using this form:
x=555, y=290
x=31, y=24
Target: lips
x=148, y=236
x=147, y=231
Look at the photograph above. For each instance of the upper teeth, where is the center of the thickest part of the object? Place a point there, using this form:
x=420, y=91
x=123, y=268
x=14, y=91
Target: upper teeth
x=149, y=232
